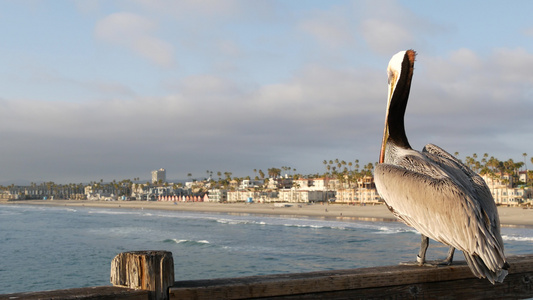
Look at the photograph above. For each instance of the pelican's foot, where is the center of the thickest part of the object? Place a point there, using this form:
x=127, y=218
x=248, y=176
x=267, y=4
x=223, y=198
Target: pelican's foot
x=443, y=263
x=410, y=263
x=419, y=262
x=433, y=264
x=423, y=263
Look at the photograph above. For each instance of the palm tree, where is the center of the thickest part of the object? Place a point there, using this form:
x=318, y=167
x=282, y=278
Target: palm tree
x=274, y=172
x=484, y=159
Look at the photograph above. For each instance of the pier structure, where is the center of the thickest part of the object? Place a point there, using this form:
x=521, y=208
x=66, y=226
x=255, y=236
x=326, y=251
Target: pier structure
x=150, y=275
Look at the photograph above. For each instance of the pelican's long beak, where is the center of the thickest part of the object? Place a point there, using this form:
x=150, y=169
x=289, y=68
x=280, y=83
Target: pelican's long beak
x=393, y=78
x=384, y=144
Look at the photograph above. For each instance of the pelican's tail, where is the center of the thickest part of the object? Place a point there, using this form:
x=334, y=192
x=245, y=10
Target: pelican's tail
x=481, y=270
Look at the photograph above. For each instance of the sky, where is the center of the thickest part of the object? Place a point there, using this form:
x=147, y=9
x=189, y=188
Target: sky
x=108, y=90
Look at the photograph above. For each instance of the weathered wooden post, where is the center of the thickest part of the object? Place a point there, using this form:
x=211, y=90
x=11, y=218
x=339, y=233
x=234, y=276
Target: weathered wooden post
x=146, y=270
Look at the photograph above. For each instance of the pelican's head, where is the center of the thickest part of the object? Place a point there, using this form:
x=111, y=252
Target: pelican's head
x=401, y=61
x=393, y=72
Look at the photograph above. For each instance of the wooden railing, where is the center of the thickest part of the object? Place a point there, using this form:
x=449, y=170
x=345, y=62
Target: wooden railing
x=150, y=275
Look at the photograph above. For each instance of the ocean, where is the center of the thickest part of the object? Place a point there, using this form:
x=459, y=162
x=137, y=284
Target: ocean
x=47, y=248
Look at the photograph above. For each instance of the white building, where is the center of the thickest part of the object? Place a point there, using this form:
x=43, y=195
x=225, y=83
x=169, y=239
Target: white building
x=311, y=184
x=503, y=192
x=239, y=196
x=303, y=196
x=217, y=195
x=358, y=195
x=159, y=175
x=246, y=184
x=257, y=196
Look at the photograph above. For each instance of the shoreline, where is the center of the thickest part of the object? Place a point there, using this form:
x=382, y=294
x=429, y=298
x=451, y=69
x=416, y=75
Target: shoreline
x=509, y=216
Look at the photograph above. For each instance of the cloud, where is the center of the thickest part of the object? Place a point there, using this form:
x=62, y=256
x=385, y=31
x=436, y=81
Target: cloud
x=462, y=101
x=194, y=7
x=387, y=26
x=136, y=33
x=383, y=35
x=528, y=32
x=329, y=28
x=210, y=10
x=88, y=6
x=206, y=121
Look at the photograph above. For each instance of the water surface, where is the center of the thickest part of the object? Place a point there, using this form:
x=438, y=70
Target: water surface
x=45, y=248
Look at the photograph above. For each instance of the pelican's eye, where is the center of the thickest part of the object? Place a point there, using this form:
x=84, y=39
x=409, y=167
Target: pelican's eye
x=390, y=75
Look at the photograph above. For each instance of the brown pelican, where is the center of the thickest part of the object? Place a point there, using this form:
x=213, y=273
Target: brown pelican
x=434, y=192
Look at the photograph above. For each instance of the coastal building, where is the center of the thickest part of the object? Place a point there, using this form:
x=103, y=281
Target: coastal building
x=100, y=192
x=29, y=192
x=266, y=196
x=249, y=183
x=332, y=183
x=359, y=195
x=239, y=196
x=217, y=195
x=46, y=190
x=137, y=191
x=277, y=190
x=497, y=180
x=156, y=192
x=279, y=183
x=310, y=184
x=511, y=196
x=5, y=195
x=159, y=176
x=303, y=196
x=523, y=176
x=503, y=191
x=366, y=182
x=347, y=195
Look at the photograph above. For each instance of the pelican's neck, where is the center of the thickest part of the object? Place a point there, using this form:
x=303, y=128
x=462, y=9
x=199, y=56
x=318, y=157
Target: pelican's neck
x=398, y=102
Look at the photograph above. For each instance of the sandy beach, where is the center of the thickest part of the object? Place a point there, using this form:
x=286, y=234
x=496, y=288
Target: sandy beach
x=509, y=216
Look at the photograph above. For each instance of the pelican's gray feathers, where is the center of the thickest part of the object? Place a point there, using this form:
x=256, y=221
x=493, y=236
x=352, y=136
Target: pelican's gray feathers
x=432, y=194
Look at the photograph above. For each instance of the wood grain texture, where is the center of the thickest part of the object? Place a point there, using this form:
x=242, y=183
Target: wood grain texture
x=394, y=282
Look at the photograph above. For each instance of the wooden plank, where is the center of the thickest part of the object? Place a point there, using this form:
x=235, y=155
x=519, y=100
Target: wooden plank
x=453, y=281
x=100, y=293
x=512, y=288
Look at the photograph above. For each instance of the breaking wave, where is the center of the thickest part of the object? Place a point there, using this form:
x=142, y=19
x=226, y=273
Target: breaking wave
x=517, y=238
x=376, y=227
x=187, y=242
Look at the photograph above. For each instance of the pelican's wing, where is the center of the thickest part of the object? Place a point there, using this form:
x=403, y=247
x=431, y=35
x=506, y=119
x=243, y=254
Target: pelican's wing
x=438, y=207
x=432, y=205
x=469, y=179
x=452, y=164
